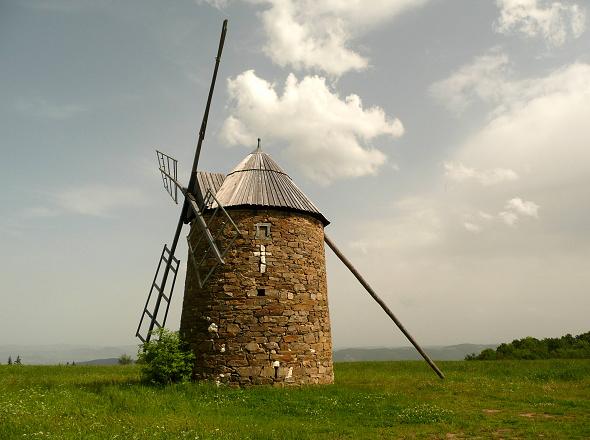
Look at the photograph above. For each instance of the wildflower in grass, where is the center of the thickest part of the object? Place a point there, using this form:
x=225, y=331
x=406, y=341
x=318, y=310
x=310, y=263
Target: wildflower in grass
x=423, y=414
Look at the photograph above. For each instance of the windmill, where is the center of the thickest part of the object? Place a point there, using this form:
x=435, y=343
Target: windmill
x=255, y=307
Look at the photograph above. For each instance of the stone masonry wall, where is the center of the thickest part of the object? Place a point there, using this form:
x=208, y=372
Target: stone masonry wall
x=244, y=335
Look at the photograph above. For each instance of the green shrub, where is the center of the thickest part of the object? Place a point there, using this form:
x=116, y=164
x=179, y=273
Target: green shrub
x=125, y=359
x=165, y=359
x=566, y=347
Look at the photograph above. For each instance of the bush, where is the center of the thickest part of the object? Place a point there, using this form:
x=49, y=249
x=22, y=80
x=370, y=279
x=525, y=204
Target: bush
x=165, y=359
x=125, y=359
x=566, y=347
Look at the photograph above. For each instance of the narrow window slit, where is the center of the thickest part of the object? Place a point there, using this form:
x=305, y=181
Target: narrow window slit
x=261, y=292
x=263, y=231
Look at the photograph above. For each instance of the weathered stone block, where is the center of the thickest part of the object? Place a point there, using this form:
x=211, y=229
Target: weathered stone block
x=252, y=346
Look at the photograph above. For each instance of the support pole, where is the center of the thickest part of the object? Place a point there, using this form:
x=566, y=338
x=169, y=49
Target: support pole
x=386, y=309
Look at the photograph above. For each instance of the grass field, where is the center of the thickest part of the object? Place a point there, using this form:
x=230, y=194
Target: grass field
x=516, y=399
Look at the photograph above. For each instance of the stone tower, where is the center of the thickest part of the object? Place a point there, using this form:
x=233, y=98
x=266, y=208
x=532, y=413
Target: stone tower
x=262, y=317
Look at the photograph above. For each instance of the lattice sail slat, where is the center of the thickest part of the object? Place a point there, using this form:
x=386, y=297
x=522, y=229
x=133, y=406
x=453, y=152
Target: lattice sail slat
x=224, y=233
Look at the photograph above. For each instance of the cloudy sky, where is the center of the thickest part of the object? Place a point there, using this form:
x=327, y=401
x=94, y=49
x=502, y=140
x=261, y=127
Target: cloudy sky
x=447, y=141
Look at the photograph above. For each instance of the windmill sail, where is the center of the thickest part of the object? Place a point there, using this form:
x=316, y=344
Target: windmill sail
x=151, y=311
x=170, y=181
x=191, y=207
x=168, y=167
x=225, y=232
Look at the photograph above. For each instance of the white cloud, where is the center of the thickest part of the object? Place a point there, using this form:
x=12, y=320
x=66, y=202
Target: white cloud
x=536, y=127
x=460, y=173
x=40, y=212
x=219, y=4
x=42, y=108
x=508, y=217
x=316, y=34
x=513, y=210
x=328, y=137
x=490, y=80
x=485, y=216
x=539, y=128
x=523, y=207
x=472, y=227
x=555, y=21
x=517, y=207
x=416, y=225
x=535, y=135
x=483, y=78
x=98, y=200
x=299, y=38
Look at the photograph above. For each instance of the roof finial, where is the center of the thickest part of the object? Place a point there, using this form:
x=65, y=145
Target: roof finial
x=258, y=147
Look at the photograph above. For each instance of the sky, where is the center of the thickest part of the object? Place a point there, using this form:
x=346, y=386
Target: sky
x=446, y=141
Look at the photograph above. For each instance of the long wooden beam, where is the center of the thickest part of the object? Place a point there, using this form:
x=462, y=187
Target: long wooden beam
x=192, y=186
x=386, y=309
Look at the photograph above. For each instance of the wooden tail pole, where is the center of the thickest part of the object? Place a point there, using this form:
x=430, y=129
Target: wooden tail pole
x=368, y=288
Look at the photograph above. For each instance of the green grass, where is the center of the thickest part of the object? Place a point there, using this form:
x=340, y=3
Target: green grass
x=502, y=399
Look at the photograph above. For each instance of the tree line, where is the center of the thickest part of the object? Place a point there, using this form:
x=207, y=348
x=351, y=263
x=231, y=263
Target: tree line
x=124, y=359
x=566, y=347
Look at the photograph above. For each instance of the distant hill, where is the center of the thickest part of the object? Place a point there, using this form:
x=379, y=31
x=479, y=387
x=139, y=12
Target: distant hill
x=62, y=353
x=108, y=361
x=441, y=353
x=89, y=355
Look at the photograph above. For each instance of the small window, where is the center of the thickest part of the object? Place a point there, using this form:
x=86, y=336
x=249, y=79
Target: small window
x=261, y=292
x=263, y=230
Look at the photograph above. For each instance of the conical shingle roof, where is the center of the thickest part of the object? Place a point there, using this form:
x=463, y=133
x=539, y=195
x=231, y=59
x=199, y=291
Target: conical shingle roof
x=259, y=181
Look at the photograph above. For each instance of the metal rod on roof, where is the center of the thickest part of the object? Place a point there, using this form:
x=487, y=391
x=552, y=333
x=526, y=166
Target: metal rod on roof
x=386, y=309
